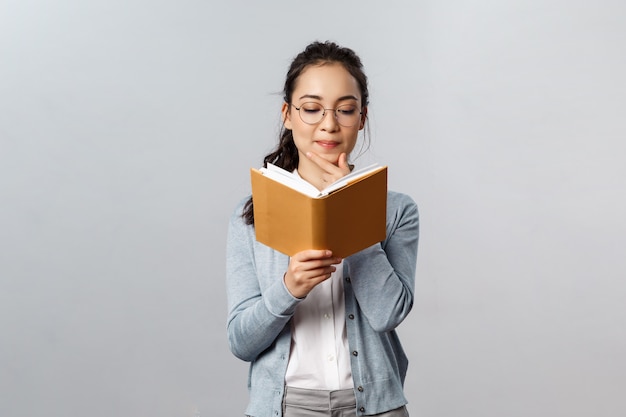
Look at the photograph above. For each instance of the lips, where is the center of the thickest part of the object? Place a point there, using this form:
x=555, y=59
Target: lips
x=327, y=144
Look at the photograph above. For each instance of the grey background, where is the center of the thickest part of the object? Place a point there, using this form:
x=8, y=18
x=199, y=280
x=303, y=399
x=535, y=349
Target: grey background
x=127, y=129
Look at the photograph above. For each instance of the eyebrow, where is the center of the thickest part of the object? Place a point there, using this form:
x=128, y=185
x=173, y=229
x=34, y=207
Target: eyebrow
x=314, y=97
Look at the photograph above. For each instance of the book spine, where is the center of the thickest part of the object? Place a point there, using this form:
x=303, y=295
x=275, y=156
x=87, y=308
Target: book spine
x=319, y=224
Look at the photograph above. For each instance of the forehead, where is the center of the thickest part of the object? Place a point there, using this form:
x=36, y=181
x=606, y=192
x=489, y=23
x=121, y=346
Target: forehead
x=327, y=81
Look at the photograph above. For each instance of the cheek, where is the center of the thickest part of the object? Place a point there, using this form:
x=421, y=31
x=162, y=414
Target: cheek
x=301, y=130
x=300, y=138
x=353, y=139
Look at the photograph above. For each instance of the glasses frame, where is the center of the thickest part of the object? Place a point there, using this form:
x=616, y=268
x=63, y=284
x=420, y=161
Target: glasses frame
x=324, y=114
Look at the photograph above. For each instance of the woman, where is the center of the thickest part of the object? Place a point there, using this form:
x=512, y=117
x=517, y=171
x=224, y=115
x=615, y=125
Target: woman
x=319, y=330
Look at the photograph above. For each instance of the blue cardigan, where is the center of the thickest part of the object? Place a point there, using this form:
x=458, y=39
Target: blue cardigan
x=379, y=287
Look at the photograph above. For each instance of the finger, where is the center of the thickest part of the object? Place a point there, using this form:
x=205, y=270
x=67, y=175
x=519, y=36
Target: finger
x=329, y=167
x=312, y=254
x=316, y=255
x=343, y=163
x=332, y=172
x=314, y=262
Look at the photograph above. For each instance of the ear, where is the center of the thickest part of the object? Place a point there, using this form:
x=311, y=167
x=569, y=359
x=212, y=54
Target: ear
x=363, y=118
x=286, y=116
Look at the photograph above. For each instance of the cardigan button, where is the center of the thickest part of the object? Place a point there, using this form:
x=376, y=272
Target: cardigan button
x=360, y=388
x=351, y=316
x=362, y=409
x=355, y=353
x=347, y=279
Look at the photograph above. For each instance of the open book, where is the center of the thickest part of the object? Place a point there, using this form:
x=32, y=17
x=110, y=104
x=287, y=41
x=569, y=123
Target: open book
x=291, y=215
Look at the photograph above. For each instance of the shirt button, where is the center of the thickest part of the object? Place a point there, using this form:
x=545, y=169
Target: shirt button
x=331, y=358
x=326, y=316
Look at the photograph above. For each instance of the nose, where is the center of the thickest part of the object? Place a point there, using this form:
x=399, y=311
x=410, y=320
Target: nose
x=329, y=120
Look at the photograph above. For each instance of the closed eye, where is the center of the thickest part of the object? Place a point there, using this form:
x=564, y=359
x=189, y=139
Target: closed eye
x=312, y=108
x=348, y=110
x=312, y=111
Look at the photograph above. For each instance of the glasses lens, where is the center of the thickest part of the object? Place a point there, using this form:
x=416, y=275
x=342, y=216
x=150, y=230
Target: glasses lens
x=311, y=113
x=347, y=115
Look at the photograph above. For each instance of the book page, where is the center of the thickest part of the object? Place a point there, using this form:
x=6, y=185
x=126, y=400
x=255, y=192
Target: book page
x=296, y=182
x=354, y=175
x=290, y=180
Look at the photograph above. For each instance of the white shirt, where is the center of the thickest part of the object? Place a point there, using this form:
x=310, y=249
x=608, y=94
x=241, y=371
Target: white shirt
x=319, y=357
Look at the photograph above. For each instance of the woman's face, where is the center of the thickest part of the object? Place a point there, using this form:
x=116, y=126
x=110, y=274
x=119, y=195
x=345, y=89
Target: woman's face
x=331, y=86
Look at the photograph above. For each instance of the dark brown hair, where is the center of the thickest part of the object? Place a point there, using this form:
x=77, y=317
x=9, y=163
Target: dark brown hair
x=317, y=53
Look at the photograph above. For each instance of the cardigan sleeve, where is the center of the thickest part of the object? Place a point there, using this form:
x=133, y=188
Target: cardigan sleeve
x=257, y=312
x=383, y=275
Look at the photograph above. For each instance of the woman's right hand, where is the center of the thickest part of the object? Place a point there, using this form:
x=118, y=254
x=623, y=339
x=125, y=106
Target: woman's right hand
x=307, y=269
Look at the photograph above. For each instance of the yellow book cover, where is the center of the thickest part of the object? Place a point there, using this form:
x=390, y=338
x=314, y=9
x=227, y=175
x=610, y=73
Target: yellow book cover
x=348, y=216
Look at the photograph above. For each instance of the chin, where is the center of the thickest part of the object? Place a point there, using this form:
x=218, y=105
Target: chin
x=333, y=159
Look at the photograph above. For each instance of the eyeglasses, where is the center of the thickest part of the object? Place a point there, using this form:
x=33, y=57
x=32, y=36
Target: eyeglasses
x=311, y=113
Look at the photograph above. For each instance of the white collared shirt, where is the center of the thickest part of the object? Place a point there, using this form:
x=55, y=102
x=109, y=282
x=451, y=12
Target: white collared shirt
x=319, y=357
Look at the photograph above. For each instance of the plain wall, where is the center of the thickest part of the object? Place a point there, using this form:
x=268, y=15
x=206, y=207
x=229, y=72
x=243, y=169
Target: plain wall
x=127, y=130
